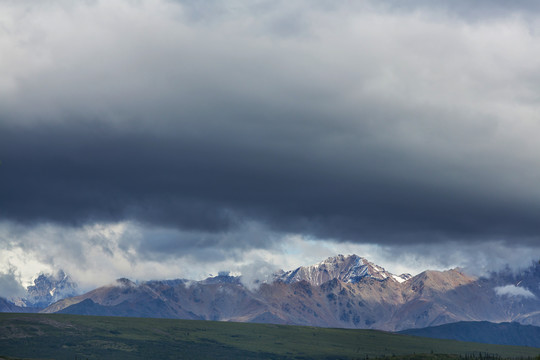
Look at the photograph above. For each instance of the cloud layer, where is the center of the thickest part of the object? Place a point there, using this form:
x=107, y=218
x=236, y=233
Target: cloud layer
x=98, y=254
x=393, y=125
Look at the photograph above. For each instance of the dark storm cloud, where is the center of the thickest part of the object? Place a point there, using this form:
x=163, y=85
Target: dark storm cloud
x=203, y=246
x=74, y=174
x=354, y=129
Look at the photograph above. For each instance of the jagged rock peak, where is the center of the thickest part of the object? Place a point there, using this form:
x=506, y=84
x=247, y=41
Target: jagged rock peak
x=49, y=288
x=349, y=268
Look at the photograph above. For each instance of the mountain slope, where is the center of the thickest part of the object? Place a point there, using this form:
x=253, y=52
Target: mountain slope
x=483, y=332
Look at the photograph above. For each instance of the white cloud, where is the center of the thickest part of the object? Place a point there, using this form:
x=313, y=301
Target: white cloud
x=512, y=290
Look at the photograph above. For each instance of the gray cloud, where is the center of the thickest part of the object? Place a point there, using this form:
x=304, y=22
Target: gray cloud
x=154, y=243
x=366, y=125
x=99, y=253
x=10, y=284
x=475, y=258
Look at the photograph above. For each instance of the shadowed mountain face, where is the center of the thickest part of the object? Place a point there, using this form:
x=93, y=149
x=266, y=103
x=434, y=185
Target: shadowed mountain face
x=343, y=291
x=483, y=332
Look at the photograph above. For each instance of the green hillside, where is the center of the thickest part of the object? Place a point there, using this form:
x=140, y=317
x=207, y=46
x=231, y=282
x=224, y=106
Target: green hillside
x=57, y=336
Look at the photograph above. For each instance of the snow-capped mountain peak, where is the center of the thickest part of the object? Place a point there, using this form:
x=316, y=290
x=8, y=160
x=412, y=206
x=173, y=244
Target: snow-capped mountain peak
x=350, y=268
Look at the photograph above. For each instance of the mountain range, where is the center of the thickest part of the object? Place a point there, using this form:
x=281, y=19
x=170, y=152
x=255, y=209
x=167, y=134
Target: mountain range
x=341, y=291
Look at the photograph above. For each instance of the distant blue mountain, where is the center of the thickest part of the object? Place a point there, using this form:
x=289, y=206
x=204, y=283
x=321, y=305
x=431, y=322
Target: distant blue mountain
x=483, y=332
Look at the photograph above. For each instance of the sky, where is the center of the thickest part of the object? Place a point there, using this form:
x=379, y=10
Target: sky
x=177, y=138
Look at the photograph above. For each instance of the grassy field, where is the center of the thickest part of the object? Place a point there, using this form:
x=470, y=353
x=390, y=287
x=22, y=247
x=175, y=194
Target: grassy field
x=55, y=336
